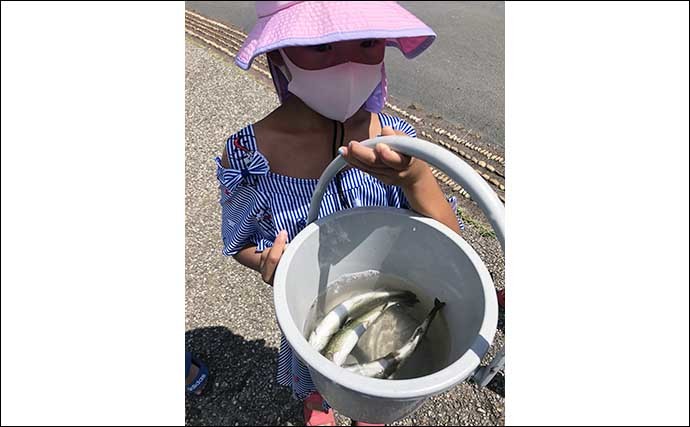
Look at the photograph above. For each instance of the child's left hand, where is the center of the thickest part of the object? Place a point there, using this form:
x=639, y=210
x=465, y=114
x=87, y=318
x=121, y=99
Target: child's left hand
x=385, y=164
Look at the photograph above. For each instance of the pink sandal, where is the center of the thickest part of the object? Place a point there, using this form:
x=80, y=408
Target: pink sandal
x=313, y=412
x=362, y=423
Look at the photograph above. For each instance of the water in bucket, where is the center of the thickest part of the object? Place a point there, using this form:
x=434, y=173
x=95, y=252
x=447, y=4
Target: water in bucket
x=392, y=330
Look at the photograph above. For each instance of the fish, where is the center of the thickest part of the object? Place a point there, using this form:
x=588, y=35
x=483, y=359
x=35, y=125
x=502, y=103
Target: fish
x=342, y=343
x=352, y=308
x=387, y=365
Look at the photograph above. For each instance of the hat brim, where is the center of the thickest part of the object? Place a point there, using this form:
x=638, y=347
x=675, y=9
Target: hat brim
x=318, y=22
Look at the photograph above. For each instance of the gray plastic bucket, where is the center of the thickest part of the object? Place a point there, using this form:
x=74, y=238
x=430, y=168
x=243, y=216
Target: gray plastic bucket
x=396, y=242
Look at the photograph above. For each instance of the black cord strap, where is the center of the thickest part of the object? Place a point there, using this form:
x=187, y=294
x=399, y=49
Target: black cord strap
x=338, y=183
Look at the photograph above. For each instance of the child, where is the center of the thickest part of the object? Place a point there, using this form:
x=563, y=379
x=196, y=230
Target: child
x=326, y=60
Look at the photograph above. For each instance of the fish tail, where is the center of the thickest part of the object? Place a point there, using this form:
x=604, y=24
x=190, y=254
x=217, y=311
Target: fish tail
x=438, y=305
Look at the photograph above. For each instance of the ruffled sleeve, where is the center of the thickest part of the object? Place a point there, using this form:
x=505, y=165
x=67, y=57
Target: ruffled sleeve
x=402, y=125
x=245, y=220
x=246, y=214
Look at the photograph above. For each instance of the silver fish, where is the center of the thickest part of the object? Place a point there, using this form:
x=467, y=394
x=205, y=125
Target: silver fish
x=342, y=343
x=385, y=366
x=351, y=308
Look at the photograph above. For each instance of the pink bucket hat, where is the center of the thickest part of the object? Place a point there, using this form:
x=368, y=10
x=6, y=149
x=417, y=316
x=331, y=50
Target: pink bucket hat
x=305, y=23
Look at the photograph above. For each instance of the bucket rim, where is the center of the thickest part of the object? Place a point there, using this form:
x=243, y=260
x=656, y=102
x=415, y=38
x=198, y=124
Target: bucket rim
x=413, y=388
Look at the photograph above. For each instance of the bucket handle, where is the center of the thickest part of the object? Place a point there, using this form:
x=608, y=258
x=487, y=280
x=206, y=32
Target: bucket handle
x=457, y=169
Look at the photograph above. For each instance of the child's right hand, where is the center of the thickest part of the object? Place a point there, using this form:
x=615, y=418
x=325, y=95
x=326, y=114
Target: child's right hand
x=271, y=256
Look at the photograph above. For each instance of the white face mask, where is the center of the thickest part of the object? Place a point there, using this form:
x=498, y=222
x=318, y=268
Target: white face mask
x=336, y=92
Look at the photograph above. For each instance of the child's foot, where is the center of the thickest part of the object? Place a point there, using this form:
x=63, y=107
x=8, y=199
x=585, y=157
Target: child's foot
x=197, y=375
x=193, y=373
x=314, y=414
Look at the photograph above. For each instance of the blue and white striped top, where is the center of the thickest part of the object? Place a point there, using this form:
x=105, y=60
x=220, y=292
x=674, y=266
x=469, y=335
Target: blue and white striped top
x=257, y=204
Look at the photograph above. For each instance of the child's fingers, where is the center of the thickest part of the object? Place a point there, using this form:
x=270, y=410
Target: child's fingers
x=363, y=154
x=281, y=239
x=386, y=131
x=393, y=159
x=372, y=170
x=262, y=263
x=389, y=157
x=262, y=259
x=273, y=257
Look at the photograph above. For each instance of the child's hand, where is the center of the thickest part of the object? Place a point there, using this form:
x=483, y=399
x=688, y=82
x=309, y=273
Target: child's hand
x=271, y=256
x=383, y=163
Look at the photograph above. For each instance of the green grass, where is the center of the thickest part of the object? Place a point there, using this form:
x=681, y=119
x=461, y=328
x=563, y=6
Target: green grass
x=483, y=229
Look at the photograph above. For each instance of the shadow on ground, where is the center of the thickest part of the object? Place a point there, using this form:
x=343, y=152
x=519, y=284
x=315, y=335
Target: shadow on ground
x=498, y=384
x=243, y=389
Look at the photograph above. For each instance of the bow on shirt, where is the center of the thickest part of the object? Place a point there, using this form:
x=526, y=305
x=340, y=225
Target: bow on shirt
x=231, y=178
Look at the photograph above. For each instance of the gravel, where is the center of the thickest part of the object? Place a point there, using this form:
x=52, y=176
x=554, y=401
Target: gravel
x=230, y=322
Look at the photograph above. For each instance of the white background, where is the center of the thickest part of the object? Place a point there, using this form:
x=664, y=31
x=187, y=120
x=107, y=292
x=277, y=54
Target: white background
x=93, y=213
